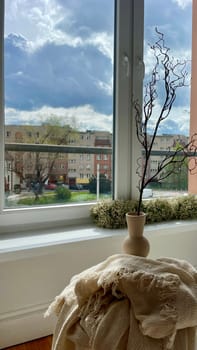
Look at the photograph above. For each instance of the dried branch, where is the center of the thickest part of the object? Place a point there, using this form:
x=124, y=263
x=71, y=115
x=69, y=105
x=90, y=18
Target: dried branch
x=170, y=75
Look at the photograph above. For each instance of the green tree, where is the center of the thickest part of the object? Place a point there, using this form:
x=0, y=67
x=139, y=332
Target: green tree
x=104, y=184
x=178, y=178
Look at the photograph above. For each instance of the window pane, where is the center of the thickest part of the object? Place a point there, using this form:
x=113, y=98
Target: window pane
x=58, y=92
x=174, y=22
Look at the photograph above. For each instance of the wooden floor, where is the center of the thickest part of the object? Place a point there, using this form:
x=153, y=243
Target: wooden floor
x=39, y=344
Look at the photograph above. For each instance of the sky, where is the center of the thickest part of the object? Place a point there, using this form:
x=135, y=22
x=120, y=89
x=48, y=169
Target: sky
x=59, y=60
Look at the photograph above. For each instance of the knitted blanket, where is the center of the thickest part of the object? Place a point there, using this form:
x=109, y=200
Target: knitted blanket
x=128, y=302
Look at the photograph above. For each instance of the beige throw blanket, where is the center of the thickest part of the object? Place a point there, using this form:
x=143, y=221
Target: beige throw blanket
x=128, y=303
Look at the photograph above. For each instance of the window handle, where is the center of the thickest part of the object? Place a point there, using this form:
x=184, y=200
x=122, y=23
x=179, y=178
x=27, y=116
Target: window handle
x=140, y=67
x=126, y=65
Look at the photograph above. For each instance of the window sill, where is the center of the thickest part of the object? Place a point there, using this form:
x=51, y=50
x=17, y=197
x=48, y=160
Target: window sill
x=39, y=241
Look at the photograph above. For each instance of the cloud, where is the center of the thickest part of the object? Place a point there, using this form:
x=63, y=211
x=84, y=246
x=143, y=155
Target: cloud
x=63, y=58
x=62, y=55
x=36, y=20
x=175, y=23
x=172, y=20
x=179, y=54
x=62, y=23
x=171, y=125
x=85, y=117
x=56, y=76
x=82, y=117
x=183, y=3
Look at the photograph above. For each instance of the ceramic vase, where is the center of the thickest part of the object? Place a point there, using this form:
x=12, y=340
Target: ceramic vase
x=135, y=243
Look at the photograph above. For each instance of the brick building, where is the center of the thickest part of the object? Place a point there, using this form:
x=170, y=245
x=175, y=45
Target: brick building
x=70, y=168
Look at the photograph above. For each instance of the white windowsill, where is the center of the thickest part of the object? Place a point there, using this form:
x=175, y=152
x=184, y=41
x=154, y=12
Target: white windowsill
x=26, y=243
x=35, y=242
x=50, y=237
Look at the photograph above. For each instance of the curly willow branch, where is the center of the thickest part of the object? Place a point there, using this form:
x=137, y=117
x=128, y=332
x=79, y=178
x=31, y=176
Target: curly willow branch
x=171, y=75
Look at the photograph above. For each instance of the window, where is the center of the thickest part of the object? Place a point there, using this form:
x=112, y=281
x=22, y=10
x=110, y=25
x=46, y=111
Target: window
x=74, y=39
x=177, y=36
x=58, y=91
x=94, y=38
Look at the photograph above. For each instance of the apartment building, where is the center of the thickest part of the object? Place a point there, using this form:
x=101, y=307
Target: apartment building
x=70, y=168
x=103, y=161
x=164, y=142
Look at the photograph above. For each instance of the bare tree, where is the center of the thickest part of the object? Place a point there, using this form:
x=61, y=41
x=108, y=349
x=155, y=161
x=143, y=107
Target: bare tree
x=35, y=168
x=54, y=133
x=167, y=76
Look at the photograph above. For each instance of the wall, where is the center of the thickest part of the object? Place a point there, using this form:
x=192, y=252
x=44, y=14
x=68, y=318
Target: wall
x=33, y=275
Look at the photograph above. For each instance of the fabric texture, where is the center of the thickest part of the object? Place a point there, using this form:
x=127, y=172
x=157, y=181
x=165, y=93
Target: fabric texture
x=128, y=303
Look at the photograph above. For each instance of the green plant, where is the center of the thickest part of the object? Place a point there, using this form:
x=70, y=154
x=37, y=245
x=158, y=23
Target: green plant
x=186, y=208
x=159, y=210
x=111, y=214
x=62, y=193
x=104, y=184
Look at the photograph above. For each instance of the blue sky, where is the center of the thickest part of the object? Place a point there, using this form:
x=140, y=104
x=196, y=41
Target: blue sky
x=59, y=59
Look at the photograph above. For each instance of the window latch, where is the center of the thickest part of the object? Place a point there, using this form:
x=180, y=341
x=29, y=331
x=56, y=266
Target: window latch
x=126, y=65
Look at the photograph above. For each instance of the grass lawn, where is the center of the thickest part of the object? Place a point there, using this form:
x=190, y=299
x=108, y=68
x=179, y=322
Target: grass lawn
x=49, y=197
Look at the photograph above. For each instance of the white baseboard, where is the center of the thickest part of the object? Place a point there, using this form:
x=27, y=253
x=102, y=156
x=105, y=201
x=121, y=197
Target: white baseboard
x=25, y=325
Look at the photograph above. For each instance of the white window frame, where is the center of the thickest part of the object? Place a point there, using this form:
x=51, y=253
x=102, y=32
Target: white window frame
x=128, y=74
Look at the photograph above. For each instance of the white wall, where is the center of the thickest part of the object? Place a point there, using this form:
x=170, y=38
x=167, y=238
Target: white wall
x=30, y=278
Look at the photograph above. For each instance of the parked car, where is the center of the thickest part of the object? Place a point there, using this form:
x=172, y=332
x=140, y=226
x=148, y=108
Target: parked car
x=147, y=193
x=50, y=186
x=76, y=187
x=17, y=188
x=62, y=184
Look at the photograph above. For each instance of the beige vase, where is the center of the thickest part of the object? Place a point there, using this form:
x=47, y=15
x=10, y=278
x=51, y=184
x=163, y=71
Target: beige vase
x=135, y=243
